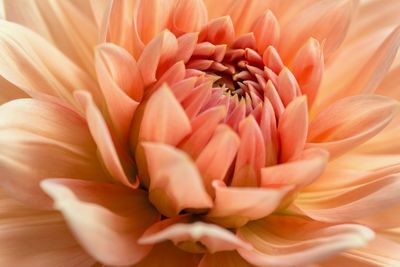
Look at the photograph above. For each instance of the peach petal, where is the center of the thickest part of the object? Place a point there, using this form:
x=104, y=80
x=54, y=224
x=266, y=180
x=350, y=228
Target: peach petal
x=234, y=207
x=288, y=88
x=175, y=183
x=186, y=45
x=347, y=123
x=32, y=132
x=9, y=91
x=217, y=156
x=67, y=25
x=272, y=95
x=173, y=75
x=292, y=241
x=351, y=203
x=269, y=132
x=31, y=237
x=251, y=154
x=166, y=254
x=46, y=69
x=266, y=31
x=272, y=59
x=212, y=237
x=189, y=16
x=326, y=20
x=308, y=68
x=293, y=128
x=223, y=259
x=218, y=31
x=203, y=127
x=157, y=56
x=300, y=171
x=110, y=228
x=116, y=161
x=121, y=84
x=172, y=122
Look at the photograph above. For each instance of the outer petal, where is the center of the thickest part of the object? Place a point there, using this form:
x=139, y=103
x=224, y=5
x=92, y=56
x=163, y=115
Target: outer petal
x=292, y=128
x=291, y=241
x=212, y=238
x=351, y=203
x=9, y=91
x=166, y=254
x=223, y=259
x=121, y=84
x=68, y=25
x=41, y=139
x=234, y=207
x=119, y=164
x=29, y=237
x=46, y=70
x=175, y=183
x=114, y=218
x=347, y=123
x=189, y=16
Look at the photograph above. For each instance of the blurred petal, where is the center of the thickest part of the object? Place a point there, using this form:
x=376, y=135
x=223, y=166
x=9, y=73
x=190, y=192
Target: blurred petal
x=29, y=237
x=212, y=238
x=111, y=226
x=41, y=139
x=292, y=241
x=351, y=203
x=46, y=69
x=189, y=16
x=175, y=183
x=223, y=259
x=347, y=123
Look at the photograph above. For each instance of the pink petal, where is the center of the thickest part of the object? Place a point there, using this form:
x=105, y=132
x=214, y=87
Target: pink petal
x=121, y=85
x=351, y=203
x=347, y=123
x=118, y=164
x=294, y=241
x=300, y=171
x=211, y=237
x=30, y=237
x=175, y=183
x=157, y=56
x=218, y=31
x=217, y=156
x=110, y=227
x=308, y=68
x=269, y=132
x=189, y=16
x=293, y=128
x=272, y=59
x=186, y=46
x=251, y=154
x=267, y=31
x=234, y=207
x=40, y=139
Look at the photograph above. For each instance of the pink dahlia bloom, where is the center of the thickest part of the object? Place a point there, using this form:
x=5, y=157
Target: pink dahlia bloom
x=199, y=133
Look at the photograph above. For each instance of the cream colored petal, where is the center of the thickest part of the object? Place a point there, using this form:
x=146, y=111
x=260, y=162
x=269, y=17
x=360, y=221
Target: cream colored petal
x=293, y=241
x=43, y=139
x=45, y=69
x=69, y=25
x=34, y=238
x=107, y=219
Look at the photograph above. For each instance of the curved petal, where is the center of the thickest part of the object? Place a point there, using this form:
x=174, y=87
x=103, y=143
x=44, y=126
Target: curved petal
x=166, y=254
x=121, y=85
x=30, y=237
x=9, y=92
x=68, y=25
x=293, y=128
x=218, y=31
x=46, y=69
x=351, y=203
x=235, y=206
x=114, y=217
x=119, y=165
x=175, y=183
x=223, y=259
x=292, y=241
x=212, y=238
x=189, y=16
x=301, y=171
x=40, y=139
x=347, y=123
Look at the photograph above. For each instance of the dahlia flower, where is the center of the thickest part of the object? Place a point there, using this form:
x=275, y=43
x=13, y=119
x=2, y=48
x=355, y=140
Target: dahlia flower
x=199, y=133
